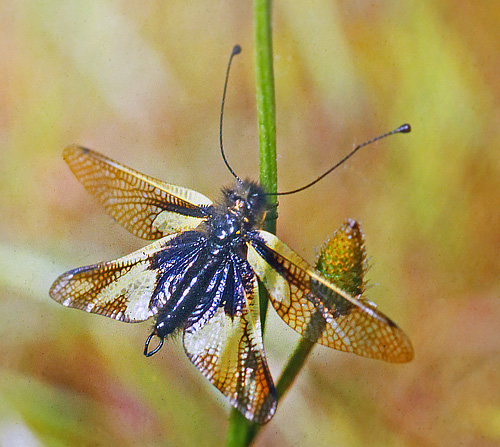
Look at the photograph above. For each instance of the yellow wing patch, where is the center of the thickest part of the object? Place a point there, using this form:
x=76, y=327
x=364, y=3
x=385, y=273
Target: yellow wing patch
x=322, y=311
x=119, y=289
x=147, y=207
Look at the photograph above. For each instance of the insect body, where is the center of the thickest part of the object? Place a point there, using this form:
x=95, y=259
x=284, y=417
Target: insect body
x=200, y=274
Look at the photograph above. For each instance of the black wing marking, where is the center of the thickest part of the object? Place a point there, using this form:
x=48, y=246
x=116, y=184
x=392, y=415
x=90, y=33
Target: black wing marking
x=126, y=289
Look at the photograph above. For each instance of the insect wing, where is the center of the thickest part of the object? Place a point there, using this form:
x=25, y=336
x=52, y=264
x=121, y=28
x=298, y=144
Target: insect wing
x=225, y=343
x=321, y=311
x=147, y=207
x=121, y=289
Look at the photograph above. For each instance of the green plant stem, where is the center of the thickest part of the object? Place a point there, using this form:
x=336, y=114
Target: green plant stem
x=241, y=432
x=288, y=375
x=266, y=114
x=294, y=365
x=266, y=110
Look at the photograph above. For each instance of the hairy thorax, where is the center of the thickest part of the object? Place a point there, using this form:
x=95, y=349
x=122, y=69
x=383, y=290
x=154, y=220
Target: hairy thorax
x=243, y=208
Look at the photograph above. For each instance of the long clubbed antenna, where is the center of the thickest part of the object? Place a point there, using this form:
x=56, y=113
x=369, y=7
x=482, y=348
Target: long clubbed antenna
x=236, y=50
x=405, y=128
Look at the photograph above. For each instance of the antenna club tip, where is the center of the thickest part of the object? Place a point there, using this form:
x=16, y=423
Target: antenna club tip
x=405, y=128
x=236, y=50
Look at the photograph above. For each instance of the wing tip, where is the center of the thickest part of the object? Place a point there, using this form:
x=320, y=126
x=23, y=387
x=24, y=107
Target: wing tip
x=261, y=414
x=407, y=354
x=402, y=349
x=58, y=285
x=73, y=150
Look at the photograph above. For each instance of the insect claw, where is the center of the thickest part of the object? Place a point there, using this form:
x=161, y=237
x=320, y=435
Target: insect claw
x=155, y=350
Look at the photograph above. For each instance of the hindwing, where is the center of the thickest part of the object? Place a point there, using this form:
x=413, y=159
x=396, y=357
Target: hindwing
x=132, y=288
x=223, y=340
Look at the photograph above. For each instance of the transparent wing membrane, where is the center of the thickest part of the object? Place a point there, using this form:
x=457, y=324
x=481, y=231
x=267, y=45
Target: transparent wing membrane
x=301, y=296
x=228, y=349
x=147, y=207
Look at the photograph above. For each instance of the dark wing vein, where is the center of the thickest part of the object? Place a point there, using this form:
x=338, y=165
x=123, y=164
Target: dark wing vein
x=147, y=207
x=301, y=296
x=126, y=289
x=226, y=343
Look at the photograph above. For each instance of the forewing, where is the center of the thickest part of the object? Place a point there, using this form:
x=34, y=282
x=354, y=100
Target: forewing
x=147, y=207
x=225, y=344
x=321, y=311
x=123, y=289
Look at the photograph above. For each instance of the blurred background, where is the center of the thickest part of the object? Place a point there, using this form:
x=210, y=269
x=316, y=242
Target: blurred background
x=141, y=82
